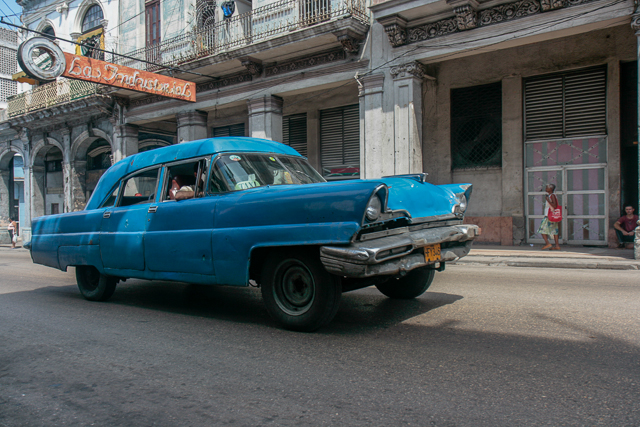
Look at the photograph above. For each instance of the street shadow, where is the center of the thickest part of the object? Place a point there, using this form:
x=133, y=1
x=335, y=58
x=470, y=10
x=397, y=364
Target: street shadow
x=359, y=311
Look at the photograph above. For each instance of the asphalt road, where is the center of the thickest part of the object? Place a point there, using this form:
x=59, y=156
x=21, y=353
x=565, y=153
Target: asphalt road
x=485, y=346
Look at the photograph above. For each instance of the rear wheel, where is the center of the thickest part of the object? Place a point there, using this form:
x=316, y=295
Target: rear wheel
x=298, y=292
x=412, y=285
x=93, y=285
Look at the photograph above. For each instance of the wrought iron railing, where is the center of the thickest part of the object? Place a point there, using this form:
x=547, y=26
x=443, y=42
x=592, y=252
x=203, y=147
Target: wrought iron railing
x=54, y=93
x=260, y=24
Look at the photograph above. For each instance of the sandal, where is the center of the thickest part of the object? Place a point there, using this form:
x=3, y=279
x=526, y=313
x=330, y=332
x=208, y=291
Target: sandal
x=547, y=246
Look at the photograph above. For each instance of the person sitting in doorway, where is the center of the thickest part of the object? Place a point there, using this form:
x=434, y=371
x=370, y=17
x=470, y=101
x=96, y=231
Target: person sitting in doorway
x=625, y=227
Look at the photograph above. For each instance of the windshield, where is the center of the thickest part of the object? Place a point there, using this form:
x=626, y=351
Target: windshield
x=242, y=171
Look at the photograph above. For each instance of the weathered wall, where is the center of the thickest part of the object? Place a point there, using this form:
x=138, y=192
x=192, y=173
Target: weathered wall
x=501, y=192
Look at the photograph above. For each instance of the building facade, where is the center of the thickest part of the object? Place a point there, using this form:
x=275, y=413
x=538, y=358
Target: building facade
x=507, y=95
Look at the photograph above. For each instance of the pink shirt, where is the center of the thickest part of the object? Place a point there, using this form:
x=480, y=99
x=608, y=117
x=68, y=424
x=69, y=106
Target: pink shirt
x=628, y=224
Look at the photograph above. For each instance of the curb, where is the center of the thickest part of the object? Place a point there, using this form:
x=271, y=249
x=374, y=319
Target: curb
x=611, y=265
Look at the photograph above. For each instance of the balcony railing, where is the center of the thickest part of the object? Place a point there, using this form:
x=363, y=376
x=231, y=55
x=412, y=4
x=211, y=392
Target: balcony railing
x=50, y=94
x=260, y=24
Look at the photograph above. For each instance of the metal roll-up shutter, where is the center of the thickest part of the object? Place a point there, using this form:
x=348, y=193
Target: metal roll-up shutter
x=231, y=130
x=586, y=103
x=566, y=105
x=543, y=108
x=294, y=132
x=340, y=142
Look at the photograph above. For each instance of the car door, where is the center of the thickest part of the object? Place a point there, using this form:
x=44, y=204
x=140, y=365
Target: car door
x=178, y=236
x=124, y=226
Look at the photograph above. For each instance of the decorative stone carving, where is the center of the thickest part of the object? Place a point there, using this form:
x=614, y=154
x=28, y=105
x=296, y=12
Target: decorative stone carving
x=63, y=8
x=551, y=4
x=396, y=29
x=414, y=69
x=253, y=66
x=635, y=23
x=466, y=17
x=397, y=35
x=307, y=62
x=349, y=44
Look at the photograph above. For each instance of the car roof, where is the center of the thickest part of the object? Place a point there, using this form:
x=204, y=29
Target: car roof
x=182, y=151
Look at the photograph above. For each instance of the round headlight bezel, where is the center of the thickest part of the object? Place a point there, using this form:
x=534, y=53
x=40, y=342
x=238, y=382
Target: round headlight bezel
x=374, y=209
x=463, y=203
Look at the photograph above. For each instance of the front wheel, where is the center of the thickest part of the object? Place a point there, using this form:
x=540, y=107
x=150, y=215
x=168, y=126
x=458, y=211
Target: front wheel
x=298, y=292
x=93, y=285
x=412, y=285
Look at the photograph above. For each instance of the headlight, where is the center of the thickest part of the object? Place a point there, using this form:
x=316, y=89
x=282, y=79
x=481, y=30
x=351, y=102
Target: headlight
x=463, y=203
x=461, y=206
x=374, y=209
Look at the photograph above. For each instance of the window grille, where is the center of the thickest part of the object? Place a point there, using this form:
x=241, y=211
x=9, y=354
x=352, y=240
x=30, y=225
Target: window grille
x=7, y=88
x=92, y=18
x=8, y=62
x=294, y=132
x=232, y=130
x=340, y=142
x=205, y=13
x=566, y=105
x=476, y=126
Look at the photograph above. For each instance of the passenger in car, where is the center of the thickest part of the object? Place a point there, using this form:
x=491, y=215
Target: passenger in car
x=186, y=185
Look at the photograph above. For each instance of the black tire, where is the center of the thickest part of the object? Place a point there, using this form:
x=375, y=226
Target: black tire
x=298, y=292
x=93, y=285
x=414, y=284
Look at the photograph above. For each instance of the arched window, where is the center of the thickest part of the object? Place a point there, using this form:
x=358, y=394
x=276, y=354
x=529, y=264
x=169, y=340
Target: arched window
x=92, y=18
x=49, y=33
x=99, y=155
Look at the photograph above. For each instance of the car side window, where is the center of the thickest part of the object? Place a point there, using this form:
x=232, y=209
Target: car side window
x=140, y=188
x=186, y=180
x=111, y=200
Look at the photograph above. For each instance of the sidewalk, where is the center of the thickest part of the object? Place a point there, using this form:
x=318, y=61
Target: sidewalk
x=568, y=257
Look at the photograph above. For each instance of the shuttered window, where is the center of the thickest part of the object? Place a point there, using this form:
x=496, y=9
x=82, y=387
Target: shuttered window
x=294, y=132
x=566, y=105
x=232, y=130
x=340, y=142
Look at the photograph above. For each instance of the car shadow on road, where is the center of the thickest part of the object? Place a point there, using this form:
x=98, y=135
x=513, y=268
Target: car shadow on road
x=359, y=310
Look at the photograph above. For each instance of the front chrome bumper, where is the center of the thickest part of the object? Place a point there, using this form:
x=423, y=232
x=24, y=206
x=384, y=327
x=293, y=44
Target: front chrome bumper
x=394, y=254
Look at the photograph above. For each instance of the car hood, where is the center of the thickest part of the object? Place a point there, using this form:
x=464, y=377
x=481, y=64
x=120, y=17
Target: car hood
x=422, y=199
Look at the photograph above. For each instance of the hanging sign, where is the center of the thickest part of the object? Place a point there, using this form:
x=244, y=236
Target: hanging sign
x=37, y=51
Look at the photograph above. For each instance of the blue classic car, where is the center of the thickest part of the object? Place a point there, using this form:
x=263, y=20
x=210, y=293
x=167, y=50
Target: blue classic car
x=235, y=211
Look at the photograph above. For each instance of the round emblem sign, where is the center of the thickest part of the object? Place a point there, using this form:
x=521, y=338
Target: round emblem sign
x=41, y=59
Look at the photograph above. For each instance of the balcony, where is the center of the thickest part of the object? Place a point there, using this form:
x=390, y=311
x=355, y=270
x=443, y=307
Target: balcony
x=52, y=103
x=264, y=24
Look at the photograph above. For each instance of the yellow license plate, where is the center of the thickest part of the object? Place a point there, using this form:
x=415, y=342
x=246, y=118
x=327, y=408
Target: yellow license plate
x=432, y=253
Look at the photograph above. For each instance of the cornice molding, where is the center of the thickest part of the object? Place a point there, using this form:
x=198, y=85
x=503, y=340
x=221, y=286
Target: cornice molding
x=467, y=17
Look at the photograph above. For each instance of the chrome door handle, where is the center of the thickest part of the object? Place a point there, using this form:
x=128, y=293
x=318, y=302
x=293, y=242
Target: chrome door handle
x=107, y=214
x=152, y=209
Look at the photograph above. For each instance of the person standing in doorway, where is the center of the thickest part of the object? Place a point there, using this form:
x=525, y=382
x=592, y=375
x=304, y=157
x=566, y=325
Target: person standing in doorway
x=548, y=228
x=12, y=233
x=626, y=226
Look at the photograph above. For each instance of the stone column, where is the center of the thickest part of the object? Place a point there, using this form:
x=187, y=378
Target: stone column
x=376, y=158
x=66, y=169
x=78, y=185
x=407, y=121
x=192, y=125
x=512, y=157
x=635, y=25
x=25, y=229
x=38, y=191
x=5, y=202
x=125, y=141
x=265, y=117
